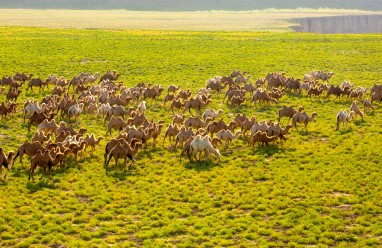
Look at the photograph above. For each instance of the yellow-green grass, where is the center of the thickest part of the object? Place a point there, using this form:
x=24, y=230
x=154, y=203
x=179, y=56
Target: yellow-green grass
x=321, y=188
x=258, y=20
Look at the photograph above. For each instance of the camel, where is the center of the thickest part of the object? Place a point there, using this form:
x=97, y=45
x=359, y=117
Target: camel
x=367, y=104
x=30, y=149
x=336, y=90
x=104, y=109
x=199, y=145
x=75, y=110
x=248, y=124
x=234, y=92
x=38, y=118
x=239, y=119
x=92, y=141
x=324, y=76
x=7, y=109
x=37, y=82
x=263, y=138
x=23, y=76
x=237, y=100
x=182, y=136
x=377, y=96
x=142, y=107
x=137, y=120
x=343, y=117
x=171, y=131
x=375, y=88
x=315, y=91
x=215, y=127
x=116, y=123
x=115, y=111
x=216, y=86
x=44, y=160
x=262, y=126
x=186, y=147
x=249, y=88
x=58, y=90
x=173, y=88
x=123, y=151
x=41, y=137
x=6, y=81
x=47, y=126
x=227, y=135
x=302, y=118
x=112, y=76
x=261, y=95
x=185, y=94
x=211, y=113
x=178, y=119
x=76, y=147
x=286, y=111
x=13, y=94
x=241, y=79
x=196, y=122
x=153, y=93
x=195, y=104
x=293, y=84
x=355, y=108
x=168, y=98
x=176, y=103
x=5, y=161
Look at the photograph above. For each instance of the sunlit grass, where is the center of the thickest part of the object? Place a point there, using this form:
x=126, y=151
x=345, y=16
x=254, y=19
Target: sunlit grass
x=318, y=188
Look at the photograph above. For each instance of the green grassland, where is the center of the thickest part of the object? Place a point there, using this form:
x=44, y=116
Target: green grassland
x=321, y=188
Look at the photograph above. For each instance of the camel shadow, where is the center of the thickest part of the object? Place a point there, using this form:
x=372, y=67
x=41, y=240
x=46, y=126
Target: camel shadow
x=345, y=131
x=121, y=172
x=267, y=150
x=201, y=166
x=44, y=183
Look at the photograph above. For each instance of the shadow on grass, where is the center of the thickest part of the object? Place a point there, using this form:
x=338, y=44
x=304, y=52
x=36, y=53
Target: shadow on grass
x=267, y=150
x=202, y=165
x=40, y=184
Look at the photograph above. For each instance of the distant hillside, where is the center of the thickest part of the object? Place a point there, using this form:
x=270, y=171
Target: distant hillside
x=192, y=5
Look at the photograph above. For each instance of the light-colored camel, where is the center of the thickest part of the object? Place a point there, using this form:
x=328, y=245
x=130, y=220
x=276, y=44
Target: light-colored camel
x=227, y=135
x=355, y=108
x=199, y=145
x=343, y=117
x=211, y=113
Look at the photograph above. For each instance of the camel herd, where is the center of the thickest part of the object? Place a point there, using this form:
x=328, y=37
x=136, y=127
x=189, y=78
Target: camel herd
x=54, y=141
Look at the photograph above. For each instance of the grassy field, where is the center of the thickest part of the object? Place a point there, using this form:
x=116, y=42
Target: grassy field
x=260, y=20
x=321, y=188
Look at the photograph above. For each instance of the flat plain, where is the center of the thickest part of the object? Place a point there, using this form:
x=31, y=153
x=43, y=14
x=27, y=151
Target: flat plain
x=257, y=20
x=319, y=188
